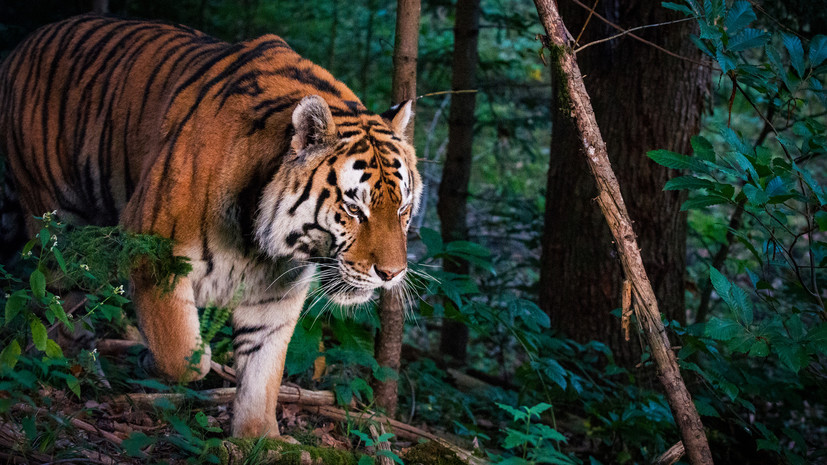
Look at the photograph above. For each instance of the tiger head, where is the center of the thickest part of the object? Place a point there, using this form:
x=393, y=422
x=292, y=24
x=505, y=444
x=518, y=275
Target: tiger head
x=349, y=190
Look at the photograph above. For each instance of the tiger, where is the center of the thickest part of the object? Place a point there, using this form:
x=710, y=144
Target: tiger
x=259, y=165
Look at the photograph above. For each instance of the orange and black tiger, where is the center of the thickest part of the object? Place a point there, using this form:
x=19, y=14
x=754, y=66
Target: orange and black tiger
x=258, y=164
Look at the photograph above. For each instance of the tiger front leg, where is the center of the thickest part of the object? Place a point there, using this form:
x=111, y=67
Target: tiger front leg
x=169, y=321
x=262, y=331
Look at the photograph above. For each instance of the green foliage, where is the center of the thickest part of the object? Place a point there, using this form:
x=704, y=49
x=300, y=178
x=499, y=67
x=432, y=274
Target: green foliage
x=533, y=442
x=765, y=342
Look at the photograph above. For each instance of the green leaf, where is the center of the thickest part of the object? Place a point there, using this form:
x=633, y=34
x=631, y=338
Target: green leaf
x=677, y=7
x=702, y=148
x=59, y=258
x=705, y=408
x=366, y=460
x=53, y=350
x=44, y=237
x=517, y=414
x=15, y=303
x=746, y=39
x=73, y=384
x=135, y=442
x=814, y=185
x=821, y=220
x=671, y=159
x=58, y=311
x=389, y=454
x=39, y=334
x=432, y=240
x=703, y=201
x=796, y=51
x=688, y=182
x=722, y=330
x=725, y=60
x=721, y=284
x=37, y=281
x=793, y=356
x=538, y=409
x=10, y=354
x=818, y=50
x=759, y=349
x=739, y=16
x=756, y=195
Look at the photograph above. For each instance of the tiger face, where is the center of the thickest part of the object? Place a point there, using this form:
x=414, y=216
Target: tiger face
x=351, y=212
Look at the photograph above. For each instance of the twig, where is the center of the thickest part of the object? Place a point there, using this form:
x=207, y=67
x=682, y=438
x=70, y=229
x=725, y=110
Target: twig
x=586, y=23
x=625, y=32
x=651, y=44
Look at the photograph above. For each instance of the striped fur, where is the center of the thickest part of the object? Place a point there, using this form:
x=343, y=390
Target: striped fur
x=256, y=162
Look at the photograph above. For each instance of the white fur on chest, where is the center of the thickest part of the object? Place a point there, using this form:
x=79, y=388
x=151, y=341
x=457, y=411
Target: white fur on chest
x=231, y=278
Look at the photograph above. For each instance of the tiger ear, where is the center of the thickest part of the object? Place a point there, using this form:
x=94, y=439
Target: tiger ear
x=399, y=116
x=313, y=123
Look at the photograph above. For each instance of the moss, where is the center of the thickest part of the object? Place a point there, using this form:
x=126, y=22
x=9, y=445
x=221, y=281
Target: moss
x=274, y=451
x=431, y=453
x=563, y=98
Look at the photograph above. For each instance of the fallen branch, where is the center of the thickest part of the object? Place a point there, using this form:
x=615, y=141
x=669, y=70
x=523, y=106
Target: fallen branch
x=611, y=203
x=401, y=430
x=223, y=396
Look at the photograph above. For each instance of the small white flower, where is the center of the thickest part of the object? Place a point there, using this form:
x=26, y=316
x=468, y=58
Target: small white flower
x=8, y=295
x=84, y=266
x=119, y=289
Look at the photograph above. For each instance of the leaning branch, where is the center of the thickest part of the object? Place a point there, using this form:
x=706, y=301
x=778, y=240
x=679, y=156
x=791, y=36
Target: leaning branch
x=614, y=209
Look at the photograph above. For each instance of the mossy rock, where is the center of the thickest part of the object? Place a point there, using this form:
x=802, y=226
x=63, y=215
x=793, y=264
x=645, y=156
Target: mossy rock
x=431, y=453
x=273, y=451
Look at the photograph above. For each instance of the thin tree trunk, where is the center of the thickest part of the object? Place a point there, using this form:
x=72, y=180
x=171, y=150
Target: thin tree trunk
x=643, y=100
x=578, y=106
x=453, y=189
x=388, y=348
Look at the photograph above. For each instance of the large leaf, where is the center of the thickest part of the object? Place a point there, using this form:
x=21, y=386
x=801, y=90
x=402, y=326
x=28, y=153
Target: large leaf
x=703, y=201
x=739, y=16
x=37, y=281
x=39, y=334
x=748, y=38
x=721, y=329
x=796, y=51
x=677, y=7
x=688, y=182
x=671, y=159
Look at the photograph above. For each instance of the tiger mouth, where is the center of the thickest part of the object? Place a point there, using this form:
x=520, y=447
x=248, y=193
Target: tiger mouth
x=341, y=292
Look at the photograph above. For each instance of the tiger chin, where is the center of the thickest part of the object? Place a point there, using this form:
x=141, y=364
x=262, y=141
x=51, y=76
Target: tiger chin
x=259, y=165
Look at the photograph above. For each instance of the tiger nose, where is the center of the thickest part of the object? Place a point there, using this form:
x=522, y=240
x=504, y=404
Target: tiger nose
x=387, y=275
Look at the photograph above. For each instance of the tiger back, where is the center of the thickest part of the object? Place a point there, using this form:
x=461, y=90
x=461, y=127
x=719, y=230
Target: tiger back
x=258, y=164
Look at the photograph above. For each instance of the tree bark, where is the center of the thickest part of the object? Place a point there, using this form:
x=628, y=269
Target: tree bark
x=388, y=349
x=453, y=188
x=578, y=107
x=643, y=100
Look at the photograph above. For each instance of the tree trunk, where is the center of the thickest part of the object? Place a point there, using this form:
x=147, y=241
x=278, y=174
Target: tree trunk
x=643, y=100
x=388, y=348
x=453, y=189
